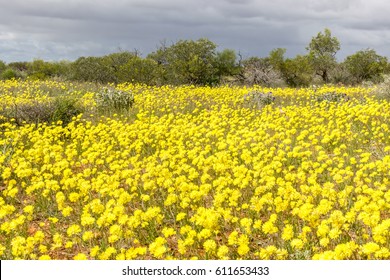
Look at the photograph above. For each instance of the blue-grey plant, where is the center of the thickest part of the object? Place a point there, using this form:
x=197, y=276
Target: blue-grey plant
x=259, y=99
x=112, y=100
x=331, y=97
x=382, y=90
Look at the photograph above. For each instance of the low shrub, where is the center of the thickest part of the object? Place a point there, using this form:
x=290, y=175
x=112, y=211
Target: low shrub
x=65, y=108
x=331, y=97
x=60, y=108
x=9, y=74
x=110, y=100
x=382, y=90
x=259, y=99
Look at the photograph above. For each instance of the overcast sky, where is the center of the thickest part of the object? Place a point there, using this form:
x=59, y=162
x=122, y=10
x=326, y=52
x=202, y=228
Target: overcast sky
x=68, y=29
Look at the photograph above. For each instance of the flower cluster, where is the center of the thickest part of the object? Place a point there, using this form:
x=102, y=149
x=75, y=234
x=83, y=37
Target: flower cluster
x=192, y=173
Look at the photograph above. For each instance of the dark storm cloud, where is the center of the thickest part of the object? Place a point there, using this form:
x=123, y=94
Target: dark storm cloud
x=67, y=29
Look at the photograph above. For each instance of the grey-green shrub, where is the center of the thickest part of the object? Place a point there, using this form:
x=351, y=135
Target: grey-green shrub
x=259, y=99
x=35, y=112
x=331, y=97
x=382, y=90
x=60, y=108
x=113, y=100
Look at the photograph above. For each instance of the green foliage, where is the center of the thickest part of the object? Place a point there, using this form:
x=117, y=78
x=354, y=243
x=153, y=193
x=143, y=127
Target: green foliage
x=3, y=66
x=225, y=64
x=187, y=62
x=366, y=65
x=139, y=70
x=114, y=62
x=322, y=53
x=199, y=63
x=65, y=108
x=10, y=73
x=92, y=69
x=297, y=72
x=276, y=58
x=118, y=59
x=21, y=66
x=115, y=68
x=36, y=70
x=40, y=69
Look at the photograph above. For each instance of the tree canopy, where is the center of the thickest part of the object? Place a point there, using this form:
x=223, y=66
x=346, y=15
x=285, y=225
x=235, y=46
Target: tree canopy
x=322, y=53
x=200, y=62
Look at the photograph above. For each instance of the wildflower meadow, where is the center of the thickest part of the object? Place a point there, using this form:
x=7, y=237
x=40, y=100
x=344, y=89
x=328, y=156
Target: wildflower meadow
x=192, y=172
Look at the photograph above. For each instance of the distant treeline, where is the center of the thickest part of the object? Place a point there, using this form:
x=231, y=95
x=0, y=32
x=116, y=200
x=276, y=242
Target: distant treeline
x=200, y=63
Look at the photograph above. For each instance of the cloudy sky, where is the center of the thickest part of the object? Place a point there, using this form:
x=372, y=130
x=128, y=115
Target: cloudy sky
x=68, y=29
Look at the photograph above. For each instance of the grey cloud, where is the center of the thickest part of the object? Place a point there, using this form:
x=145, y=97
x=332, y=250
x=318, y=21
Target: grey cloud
x=69, y=29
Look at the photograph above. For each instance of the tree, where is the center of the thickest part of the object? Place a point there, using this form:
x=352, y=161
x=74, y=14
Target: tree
x=9, y=71
x=92, y=69
x=62, y=69
x=115, y=61
x=366, y=65
x=110, y=68
x=225, y=64
x=39, y=69
x=322, y=53
x=20, y=66
x=187, y=62
x=276, y=58
x=138, y=70
x=297, y=71
x=3, y=66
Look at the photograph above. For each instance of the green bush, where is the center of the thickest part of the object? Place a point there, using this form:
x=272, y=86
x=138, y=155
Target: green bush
x=65, y=108
x=9, y=74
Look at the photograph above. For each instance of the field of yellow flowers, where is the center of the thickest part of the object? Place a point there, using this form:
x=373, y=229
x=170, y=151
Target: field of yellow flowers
x=197, y=173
